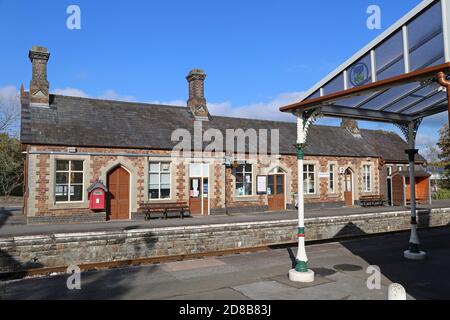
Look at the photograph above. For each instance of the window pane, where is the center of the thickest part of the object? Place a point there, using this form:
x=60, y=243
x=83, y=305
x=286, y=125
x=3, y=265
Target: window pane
x=77, y=165
x=154, y=179
x=165, y=178
x=153, y=193
x=195, y=170
x=62, y=177
x=76, y=193
x=248, y=168
x=62, y=165
x=239, y=178
x=248, y=189
x=270, y=185
x=240, y=169
x=311, y=187
x=389, y=57
x=240, y=189
x=335, y=85
x=165, y=193
x=280, y=184
x=61, y=193
x=165, y=167
x=76, y=178
x=154, y=166
x=426, y=42
x=248, y=178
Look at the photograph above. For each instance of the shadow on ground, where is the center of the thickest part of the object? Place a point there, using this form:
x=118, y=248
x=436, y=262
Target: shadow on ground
x=102, y=284
x=423, y=280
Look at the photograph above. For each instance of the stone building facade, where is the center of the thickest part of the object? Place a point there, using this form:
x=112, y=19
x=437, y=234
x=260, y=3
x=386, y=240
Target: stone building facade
x=73, y=142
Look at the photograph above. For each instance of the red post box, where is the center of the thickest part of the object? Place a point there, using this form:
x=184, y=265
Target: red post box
x=97, y=194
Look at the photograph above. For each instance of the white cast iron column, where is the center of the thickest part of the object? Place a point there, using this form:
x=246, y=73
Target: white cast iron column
x=301, y=273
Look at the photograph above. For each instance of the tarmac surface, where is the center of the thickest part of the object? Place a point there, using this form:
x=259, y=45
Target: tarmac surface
x=18, y=230
x=341, y=274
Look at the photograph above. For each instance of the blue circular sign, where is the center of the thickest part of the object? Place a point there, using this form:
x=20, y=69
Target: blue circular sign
x=359, y=74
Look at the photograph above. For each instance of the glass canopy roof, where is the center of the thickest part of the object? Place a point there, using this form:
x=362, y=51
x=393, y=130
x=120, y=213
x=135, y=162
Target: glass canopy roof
x=393, y=78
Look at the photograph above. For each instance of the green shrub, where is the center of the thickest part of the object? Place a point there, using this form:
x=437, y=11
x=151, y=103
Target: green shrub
x=442, y=194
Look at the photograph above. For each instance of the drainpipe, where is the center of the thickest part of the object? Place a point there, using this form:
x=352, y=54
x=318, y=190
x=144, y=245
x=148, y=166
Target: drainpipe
x=442, y=80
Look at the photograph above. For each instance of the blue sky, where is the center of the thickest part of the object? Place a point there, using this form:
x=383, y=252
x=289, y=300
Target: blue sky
x=258, y=54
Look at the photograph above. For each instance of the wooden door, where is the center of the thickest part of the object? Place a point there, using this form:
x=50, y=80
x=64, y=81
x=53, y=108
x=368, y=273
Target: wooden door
x=198, y=192
x=119, y=194
x=348, y=188
x=275, y=192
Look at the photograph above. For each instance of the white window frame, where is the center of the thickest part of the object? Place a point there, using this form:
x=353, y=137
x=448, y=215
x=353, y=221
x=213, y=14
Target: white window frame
x=69, y=184
x=159, y=173
x=390, y=170
x=367, y=177
x=332, y=177
x=244, y=173
x=308, y=172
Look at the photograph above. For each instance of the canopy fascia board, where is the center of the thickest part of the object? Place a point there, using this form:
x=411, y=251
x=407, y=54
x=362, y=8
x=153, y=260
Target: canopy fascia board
x=391, y=30
x=419, y=75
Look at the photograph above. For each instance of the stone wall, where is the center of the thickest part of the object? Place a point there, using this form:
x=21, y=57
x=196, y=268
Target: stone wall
x=59, y=250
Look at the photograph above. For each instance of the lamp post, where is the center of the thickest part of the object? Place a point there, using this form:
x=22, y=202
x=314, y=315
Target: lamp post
x=301, y=273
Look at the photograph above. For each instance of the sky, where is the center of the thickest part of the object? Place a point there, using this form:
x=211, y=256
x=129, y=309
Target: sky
x=258, y=54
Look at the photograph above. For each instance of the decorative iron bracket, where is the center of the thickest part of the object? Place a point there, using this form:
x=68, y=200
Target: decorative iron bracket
x=405, y=127
x=306, y=119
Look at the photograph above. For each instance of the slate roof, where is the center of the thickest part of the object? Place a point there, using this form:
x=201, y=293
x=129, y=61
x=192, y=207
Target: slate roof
x=74, y=121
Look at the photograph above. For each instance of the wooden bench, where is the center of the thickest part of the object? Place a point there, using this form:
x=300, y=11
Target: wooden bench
x=148, y=209
x=372, y=201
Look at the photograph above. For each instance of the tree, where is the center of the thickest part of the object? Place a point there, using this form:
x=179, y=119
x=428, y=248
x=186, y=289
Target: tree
x=11, y=165
x=444, y=155
x=11, y=159
x=431, y=154
x=9, y=114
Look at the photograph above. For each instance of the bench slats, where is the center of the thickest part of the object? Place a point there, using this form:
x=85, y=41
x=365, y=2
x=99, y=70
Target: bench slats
x=374, y=200
x=149, y=208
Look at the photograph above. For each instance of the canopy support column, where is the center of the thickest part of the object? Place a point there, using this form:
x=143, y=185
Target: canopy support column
x=301, y=273
x=410, y=131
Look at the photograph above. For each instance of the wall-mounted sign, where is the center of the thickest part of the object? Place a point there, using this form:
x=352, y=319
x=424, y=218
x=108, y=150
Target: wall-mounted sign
x=324, y=175
x=261, y=183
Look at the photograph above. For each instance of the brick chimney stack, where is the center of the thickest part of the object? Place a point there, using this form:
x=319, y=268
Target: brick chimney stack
x=351, y=125
x=197, y=101
x=39, y=86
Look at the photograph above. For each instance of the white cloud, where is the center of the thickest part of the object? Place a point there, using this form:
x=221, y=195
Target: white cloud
x=262, y=110
x=112, y=95
x=178, y=103
x=8, y=92
x=107, y=95
x=72, y=92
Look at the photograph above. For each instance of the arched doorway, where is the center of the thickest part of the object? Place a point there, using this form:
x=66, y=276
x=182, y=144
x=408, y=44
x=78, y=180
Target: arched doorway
x=118, y=206
x=276, y=189
x=348, y=187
